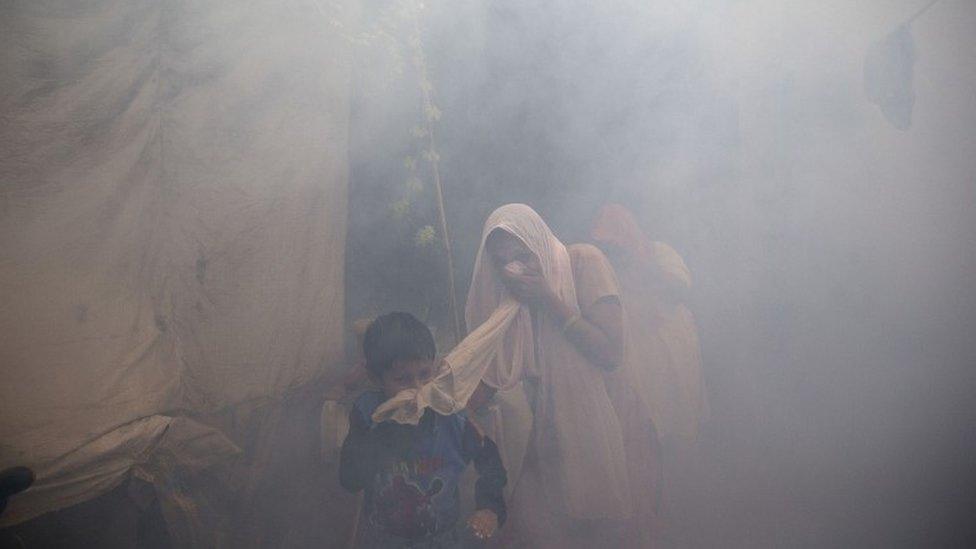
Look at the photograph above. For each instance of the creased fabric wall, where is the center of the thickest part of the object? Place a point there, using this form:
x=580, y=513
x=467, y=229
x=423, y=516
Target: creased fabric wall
x=172, y=223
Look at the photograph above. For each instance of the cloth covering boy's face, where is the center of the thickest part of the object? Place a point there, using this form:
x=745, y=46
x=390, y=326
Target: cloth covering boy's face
x=405, y=374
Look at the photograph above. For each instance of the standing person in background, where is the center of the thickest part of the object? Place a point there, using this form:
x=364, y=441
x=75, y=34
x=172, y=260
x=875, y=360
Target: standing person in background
x=596, y=283
x=663, y=351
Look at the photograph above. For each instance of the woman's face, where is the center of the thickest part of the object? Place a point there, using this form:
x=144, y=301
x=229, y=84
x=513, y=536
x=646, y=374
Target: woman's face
x=505, y=248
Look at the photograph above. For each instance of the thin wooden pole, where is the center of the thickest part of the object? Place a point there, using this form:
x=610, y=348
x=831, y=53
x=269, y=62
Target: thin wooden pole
x=450, y=256
x=434, y=160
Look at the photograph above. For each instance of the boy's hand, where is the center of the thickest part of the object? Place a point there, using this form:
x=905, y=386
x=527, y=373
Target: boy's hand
x=484, y=523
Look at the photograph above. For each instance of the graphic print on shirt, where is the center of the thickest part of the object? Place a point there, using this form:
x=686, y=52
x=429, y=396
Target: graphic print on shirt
x=405, y=509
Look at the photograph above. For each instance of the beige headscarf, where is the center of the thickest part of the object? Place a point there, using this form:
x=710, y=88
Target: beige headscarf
x=575, y=433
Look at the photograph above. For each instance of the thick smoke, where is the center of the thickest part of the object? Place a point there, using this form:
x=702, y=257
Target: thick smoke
x=814, y=162
x=832, y=251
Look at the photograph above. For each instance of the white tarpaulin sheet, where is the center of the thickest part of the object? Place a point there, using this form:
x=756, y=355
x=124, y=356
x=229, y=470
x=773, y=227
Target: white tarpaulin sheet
x=172, y=224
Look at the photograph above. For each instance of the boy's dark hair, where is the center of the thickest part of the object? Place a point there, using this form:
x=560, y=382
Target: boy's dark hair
x=396, y=336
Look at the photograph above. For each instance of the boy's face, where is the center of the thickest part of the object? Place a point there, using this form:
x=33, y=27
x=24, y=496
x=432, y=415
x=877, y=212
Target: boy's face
x=406, y=374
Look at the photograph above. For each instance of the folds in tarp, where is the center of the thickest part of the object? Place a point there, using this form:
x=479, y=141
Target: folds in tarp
x=172, y=224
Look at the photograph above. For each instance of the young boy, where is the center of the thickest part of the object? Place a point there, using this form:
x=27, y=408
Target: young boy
x=410, y=473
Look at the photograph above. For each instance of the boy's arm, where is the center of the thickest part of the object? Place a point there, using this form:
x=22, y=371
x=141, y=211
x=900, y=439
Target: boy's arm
x=488, y=490
x=357, y=463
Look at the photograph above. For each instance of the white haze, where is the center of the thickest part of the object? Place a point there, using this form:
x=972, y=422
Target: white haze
x=833, y=253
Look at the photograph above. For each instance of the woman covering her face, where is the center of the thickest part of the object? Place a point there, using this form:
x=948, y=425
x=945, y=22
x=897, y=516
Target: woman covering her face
x=579, y=455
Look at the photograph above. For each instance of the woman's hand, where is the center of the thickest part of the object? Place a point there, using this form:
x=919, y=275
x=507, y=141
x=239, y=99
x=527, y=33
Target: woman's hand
x=484, y=523
x=529, y=287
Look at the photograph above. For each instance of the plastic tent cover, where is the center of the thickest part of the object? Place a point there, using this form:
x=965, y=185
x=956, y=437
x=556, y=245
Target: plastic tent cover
x=172, y=223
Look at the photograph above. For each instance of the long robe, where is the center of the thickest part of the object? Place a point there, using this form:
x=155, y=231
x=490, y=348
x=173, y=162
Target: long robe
x=596, y=281
x=663, y=348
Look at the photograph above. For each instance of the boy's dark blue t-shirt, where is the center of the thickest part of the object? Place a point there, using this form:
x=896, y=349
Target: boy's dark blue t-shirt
x=410, y=473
